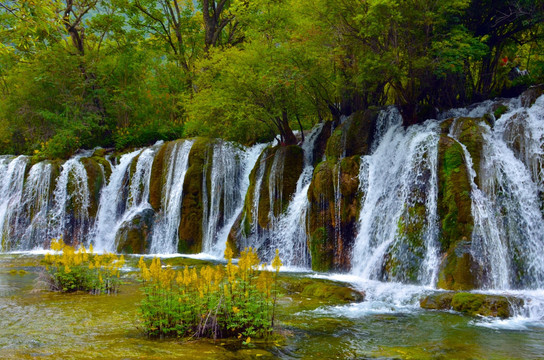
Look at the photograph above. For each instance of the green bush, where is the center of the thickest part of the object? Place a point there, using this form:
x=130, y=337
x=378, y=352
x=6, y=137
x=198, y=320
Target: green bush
x=69, y=270
x=215, y=302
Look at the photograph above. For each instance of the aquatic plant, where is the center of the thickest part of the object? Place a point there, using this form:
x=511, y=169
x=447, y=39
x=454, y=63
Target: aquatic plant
x=68, y=269
x=236, y=300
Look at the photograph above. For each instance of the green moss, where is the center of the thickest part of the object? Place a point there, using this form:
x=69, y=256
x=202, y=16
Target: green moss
x=454, y=205
x=485, y=305
x=500, y=111
x=404, y=259
x=190, y=227
x=437, y=301
x=95, y=181
x=326, y=235
x=329, y=291
x=471, y=136
x=454, y=210
x=158, y=174
x=353, y=137
x=321, y=250
x=473, y=304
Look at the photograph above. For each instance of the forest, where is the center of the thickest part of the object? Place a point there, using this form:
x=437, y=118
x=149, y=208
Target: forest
x=76, y=74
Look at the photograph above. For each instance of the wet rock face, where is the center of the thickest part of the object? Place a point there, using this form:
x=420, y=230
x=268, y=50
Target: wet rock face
x=456, y=222
x=96, y=179
x=273, y=181
x=529, y=96
x=353, y=137
x=133, y=236
x=190, y=226
x=473, y=304
x=332, y=218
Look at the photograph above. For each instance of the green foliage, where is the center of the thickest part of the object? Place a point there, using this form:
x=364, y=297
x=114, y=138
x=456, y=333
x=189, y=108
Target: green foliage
x=70, y=270
x=215, y=302
x=126, y=73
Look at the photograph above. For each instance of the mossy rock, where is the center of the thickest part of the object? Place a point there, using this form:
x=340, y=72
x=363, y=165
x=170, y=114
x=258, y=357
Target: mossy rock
x=485, y=305
x=95, y=181
x=499, y=110
x=472, y=137
x=158, y=174
x=320, y=143
x=330, y=242
x=445, y=126
x=133, y=235
x=321, y=289
x=473, y=304
x=354, y=136
x=455, y=213
x=459, y=270
x=437, y=301
x=403, y=260
x=289, y=162
x=190, y=226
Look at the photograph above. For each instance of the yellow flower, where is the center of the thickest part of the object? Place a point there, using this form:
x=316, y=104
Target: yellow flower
x=228, y=252
x=248, y=340
x=276, y=263
x=235, y=310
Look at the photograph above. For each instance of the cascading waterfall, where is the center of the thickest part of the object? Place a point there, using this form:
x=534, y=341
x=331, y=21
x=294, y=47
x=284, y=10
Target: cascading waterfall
x=400, y=175
x=508, y=224
x=289, y=234
x=31, y=229
x=165, y=230
x=229, y=181
x=116, y=206
x=254, y=234
x=69, y=215
x=12, y=172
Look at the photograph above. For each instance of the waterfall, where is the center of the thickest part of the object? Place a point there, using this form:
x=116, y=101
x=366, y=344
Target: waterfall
x=229, y=181
x=116, y=206
x=12, y=172
x=165, y=230
x=31, y=228
x=69, y=215
x=398, y=177
x=508, y=225
x=289, y=233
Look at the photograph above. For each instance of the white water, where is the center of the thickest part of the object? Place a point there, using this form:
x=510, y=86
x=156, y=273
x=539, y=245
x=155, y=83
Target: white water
x=32, y=225
x=232, y=186
x=165, y=230
x=289, y=232
x=125, y=196
x=400, y=174
x=112, y=204
x=69, y=216
x=508, y=235
x=12, y=171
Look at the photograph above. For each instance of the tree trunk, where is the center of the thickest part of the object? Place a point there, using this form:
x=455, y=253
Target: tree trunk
x=286, y=133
